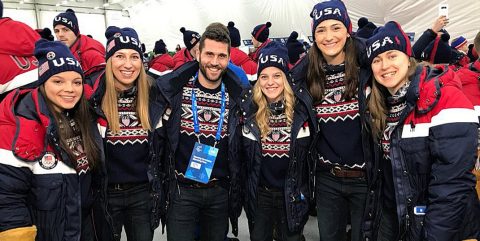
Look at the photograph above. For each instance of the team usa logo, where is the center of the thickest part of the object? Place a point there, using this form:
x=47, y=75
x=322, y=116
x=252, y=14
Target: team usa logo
x=50, y=55
x=387, y=40
x=317, y=14
x=48, y=161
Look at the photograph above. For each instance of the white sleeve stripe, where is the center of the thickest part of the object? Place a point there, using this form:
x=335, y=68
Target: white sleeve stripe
x=446, y=116
x=20, y=80
x=477, y=110
x=61, y=168
x=304, y=132
x=454, y=115
x=159, y=73
x=252, y=77
x=7, y=158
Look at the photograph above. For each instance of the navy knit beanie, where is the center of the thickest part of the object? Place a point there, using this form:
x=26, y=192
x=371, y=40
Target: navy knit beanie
x=54, y=57
x=295, y=48
x=67, y=19
x=234, y=34
x=438, y=51
x=388, y=37
x=330, y=9
x=362, y=22
x=261, y=32
x=190, y=38
x=274, y=54
x=160, y=47
x=122, y=38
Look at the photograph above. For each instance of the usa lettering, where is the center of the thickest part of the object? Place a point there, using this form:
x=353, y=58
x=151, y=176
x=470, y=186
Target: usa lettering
x=69, y=61
x=327, y=11
x=271, y=58
x=377, y=44
x=127, y=39
x=64, y=20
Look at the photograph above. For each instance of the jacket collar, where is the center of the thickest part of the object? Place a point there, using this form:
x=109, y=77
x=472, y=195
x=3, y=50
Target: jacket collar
x=171, y=84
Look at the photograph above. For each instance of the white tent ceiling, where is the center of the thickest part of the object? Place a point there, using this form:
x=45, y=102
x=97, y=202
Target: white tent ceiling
x=155, y=19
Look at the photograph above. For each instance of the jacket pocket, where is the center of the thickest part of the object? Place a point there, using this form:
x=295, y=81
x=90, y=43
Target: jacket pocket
x=47, y=191
x=416, y=154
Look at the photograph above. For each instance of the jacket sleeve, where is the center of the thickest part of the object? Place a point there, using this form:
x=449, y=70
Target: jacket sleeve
x=422, y=42
x=15, y=185
x=453, y=146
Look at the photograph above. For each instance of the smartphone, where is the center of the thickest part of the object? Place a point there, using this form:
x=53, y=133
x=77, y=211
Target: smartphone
x=443, y=10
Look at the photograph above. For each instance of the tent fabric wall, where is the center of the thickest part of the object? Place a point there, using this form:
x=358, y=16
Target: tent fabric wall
x=155, y=19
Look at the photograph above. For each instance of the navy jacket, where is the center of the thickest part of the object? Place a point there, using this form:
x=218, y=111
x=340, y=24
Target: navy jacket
x=297, y=188
x=39, y=184
x=433, y=151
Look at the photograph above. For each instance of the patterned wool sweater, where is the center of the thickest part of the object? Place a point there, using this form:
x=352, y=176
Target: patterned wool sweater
x=127, y=150
x=208, y=109
x=340, y=141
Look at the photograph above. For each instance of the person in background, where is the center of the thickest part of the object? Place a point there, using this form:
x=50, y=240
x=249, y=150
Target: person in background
x=296, y=50
x=18, y=64
x=333, y=73
x=190, y=39
x=460, y=49
x=178, y=48
x=48, y=153
x=469, y=76
x=240, y=58
x=122, y=95
x=365, y=28
x=88, y=51
x=162, y=63
x=45, y=33
x=427, y=134
x=215, y=93
x=277, y=135
x=429, y=36
x=260, y=39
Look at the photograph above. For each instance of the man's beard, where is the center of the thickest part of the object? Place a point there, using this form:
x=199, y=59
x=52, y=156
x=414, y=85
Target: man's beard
x=203, y=70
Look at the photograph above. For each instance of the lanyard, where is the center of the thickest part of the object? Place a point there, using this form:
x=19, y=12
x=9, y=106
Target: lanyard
x=196, y=126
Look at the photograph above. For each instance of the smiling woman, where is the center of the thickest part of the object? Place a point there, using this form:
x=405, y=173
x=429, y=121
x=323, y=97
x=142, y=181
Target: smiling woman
x=51, y=151
x=333, y=76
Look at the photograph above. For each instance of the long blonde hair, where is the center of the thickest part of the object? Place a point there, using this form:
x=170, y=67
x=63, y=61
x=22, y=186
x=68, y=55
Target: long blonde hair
x=110, y=104
x=263, y=113
x=377, y=103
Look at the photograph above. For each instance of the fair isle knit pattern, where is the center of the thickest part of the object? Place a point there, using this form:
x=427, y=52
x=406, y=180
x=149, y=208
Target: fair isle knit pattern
x=334, y=107
x=277, y=142
x=75, y=144
x=208, y=107
x=396, y=105
x=131, y=131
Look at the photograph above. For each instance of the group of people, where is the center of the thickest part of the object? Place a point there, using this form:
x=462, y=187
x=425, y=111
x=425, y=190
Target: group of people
x=355, y=128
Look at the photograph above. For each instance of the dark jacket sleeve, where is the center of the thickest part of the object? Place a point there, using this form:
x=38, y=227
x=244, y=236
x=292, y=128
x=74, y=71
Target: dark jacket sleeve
x=453, y=147
x=14, y=188
x=422, y=42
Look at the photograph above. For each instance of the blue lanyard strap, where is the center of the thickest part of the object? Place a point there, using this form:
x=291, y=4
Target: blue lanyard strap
x=196, y=125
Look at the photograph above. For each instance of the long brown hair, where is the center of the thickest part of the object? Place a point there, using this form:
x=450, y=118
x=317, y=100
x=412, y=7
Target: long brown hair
x=316, y=76
x=263, y=112
x=82, y=116
x=376, y=102
x=110, y=104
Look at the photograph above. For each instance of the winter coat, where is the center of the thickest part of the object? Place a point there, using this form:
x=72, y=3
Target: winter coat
x=40, y=185
x=18, y=65
x=160, y=65
x=432, y=152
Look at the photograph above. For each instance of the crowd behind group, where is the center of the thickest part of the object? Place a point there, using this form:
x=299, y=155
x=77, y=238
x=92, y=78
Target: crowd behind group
x=361, y=128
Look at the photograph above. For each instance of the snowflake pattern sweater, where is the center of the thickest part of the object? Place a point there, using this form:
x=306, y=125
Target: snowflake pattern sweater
x=208, y=109
x=340, y=142
x=127, y=150
x=275, y=151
